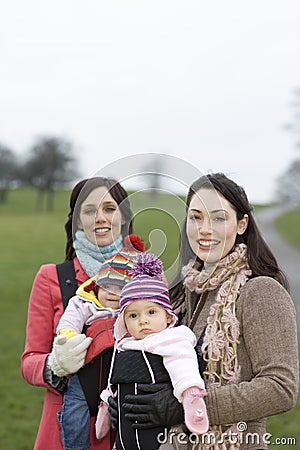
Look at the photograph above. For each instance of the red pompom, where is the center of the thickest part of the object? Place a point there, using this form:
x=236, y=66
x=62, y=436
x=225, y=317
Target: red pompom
x=134, y=242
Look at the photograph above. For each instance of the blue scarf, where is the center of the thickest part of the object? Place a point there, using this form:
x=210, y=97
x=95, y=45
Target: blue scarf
x=91, y=256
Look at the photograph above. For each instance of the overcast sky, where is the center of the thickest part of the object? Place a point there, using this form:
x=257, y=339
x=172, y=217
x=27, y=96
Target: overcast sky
x=209, y=82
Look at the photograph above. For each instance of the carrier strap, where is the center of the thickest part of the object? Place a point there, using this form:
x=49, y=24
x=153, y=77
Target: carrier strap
x=67, y=280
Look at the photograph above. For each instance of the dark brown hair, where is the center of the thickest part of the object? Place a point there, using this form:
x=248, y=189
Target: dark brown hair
x=80, y=192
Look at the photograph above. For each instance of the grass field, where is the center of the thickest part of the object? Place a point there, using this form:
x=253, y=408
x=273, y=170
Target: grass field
x=30, y=239
x=289, y=225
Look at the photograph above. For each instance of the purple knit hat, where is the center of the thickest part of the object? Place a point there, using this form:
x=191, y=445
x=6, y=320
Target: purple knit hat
x=146, y=284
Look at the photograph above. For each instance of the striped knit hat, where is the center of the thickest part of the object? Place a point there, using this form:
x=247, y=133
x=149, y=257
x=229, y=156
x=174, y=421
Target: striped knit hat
x=146, y=284
x=116, y=269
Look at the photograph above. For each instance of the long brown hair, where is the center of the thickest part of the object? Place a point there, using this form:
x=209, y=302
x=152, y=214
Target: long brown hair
x=80, y=192
x=260, y=257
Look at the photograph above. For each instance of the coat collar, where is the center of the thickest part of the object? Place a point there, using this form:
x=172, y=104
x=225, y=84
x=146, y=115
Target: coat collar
x=81, y=275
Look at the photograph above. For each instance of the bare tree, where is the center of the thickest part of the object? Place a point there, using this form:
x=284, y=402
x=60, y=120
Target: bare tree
x=294, y=125
x=51, y=164
x=288, y=186
x=8, y=171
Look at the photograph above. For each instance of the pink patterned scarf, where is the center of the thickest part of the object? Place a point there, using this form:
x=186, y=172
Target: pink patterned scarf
x=222, y=332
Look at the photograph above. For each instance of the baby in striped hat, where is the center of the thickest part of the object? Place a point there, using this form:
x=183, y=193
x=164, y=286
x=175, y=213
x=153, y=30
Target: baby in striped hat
x=99, y=297
x=91, y=311
x=146, y=322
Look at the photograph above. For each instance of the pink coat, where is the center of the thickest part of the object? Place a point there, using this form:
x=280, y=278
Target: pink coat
x=44, y=311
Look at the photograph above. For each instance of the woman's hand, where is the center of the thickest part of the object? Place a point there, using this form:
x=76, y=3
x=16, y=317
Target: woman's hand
x=113, y=411
x=154, y=405
x=68, y=356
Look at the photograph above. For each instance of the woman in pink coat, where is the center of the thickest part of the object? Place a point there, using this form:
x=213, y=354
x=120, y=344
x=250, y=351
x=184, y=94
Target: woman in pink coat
x=99, y=219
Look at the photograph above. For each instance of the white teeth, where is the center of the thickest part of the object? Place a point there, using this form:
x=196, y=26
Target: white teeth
x=101, y=230
x=208, y=243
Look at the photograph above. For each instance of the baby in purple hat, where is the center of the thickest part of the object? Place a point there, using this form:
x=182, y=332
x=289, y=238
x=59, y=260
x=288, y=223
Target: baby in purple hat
x=146, y=323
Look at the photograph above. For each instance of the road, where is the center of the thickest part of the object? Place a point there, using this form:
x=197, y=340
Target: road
x=288, y=257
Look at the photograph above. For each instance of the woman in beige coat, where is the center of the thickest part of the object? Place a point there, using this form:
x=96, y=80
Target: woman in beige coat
x=234, y=297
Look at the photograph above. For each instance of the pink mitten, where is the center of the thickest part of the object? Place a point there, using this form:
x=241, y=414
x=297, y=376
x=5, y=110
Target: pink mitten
x=103, y=421
x=195, y=414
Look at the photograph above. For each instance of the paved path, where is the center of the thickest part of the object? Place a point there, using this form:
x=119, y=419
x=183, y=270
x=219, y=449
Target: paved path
x=288, y=257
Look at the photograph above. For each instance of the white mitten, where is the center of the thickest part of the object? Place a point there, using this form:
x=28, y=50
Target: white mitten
x=68, y=356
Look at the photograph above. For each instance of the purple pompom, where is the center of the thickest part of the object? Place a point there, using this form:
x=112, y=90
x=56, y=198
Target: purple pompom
x=147, y=264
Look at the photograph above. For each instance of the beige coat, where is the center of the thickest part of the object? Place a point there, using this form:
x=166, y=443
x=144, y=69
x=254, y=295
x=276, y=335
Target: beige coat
x=267, y=354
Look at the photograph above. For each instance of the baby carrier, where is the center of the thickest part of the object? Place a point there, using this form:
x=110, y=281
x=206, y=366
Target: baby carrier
x=131, y=368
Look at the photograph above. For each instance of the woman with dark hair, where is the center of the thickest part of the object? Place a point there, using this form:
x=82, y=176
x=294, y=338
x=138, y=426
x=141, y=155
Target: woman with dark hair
x=80, y=192
x=261, y=259
x=235, y=298
x=99, y=219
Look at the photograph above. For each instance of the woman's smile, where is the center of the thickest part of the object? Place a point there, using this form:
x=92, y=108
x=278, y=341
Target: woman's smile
x=207, y=244
x=101, y=231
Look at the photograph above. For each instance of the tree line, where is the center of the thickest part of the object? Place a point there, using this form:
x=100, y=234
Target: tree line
x=49, y=164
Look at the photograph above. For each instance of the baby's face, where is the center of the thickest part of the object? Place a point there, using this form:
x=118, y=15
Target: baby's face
x=109, y=295
x=143, y=317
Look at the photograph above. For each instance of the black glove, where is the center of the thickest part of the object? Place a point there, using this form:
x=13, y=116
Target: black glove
x=154, y=405
x=113, y=411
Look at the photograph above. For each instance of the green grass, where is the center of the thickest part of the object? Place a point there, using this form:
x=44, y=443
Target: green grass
x=288, y=225
x=31, y=238
x=287, y=425
x=158, y=221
